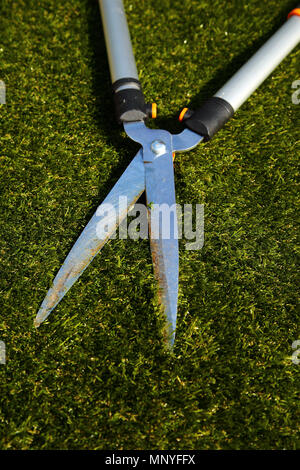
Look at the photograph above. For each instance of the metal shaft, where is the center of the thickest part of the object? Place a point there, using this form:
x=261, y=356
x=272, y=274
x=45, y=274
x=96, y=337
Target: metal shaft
x=117, y=38
x=238, y=89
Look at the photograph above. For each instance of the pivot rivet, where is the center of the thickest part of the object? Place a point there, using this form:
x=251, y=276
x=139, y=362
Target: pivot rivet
x=158, y=147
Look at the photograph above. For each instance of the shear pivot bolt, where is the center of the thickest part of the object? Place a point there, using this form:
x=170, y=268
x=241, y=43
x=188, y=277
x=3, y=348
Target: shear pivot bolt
x=158, y=147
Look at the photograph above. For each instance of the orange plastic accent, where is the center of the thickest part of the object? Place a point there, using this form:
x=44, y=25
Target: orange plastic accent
x=296, y=11
x=173, y=155
x=154, y=110
x=182, y=114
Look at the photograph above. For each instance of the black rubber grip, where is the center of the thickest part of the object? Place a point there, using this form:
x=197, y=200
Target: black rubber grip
x=208, y=119
x=130, y=105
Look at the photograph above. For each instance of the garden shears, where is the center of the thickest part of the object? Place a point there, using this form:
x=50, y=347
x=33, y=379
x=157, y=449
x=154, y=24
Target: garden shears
x=151, y=170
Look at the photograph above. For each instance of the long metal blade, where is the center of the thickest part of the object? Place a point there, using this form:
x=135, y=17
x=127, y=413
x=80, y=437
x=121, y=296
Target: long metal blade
x=160, y=192
x=100, y=228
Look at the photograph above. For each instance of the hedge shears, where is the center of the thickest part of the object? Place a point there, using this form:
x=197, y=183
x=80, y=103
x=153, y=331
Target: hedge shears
x=151, y=170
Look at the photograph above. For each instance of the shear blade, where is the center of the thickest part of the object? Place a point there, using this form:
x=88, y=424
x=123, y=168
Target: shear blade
x=160, y=193
x=155, y=174
x=125, y=193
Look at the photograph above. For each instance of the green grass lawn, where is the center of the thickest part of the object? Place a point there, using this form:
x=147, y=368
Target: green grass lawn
x=96, y=375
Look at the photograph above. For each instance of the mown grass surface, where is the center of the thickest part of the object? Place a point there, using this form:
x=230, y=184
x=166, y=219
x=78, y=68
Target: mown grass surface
x=96, y=375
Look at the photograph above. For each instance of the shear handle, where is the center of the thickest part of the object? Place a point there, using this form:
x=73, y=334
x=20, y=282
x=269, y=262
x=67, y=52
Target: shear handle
x=220, y=108
x=129, y=100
